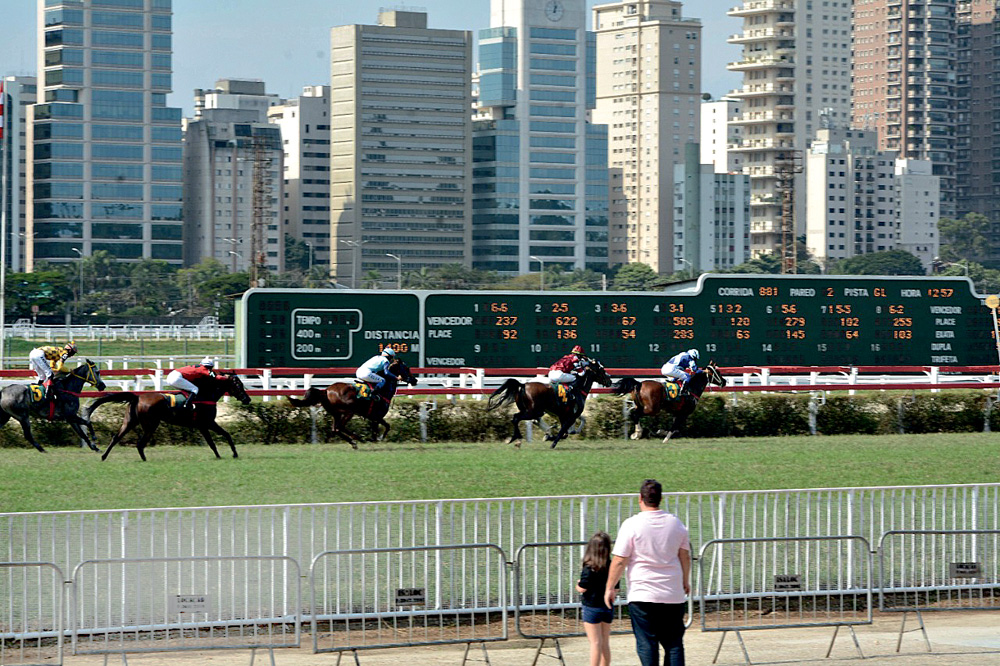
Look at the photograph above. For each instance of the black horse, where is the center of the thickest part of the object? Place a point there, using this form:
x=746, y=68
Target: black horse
x=651, y=397
x=534, y=399
x=148, y=410
x=342, y=402
x=16, y=403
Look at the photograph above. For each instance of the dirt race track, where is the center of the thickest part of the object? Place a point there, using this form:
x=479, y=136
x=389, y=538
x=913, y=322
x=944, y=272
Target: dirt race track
x=971, y=637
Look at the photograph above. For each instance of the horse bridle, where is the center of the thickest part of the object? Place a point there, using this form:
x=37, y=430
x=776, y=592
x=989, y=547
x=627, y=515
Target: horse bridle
x=91, y=377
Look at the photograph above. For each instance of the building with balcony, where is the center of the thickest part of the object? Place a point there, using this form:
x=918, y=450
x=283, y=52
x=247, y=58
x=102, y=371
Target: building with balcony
x=649, y=97
x=105, y=169
x=17, y=93
x=796, y=72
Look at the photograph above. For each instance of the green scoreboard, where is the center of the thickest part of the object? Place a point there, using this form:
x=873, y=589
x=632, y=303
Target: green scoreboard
x=312, y=328
x=735, y=319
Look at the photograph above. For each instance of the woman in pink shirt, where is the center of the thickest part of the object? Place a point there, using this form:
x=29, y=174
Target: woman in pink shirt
x=653, y=548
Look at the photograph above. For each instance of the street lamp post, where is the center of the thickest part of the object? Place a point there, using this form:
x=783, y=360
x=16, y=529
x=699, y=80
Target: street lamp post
x=310, y=246
x=80, y=297
x=399, y=270
x=690, y=266
x=541, y=272
x=354, y=259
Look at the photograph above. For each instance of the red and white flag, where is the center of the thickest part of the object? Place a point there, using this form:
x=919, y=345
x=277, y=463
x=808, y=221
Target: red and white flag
x=2, y=98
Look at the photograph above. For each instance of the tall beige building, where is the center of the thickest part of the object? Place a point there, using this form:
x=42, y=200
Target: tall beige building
x=796, y=66
x=400, y=147
x=649, y=96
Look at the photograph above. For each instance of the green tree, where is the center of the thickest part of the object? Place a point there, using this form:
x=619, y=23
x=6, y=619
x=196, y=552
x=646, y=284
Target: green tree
x=965, y=238
x=763, y=264
x=297, y=254
x=50, y=290
x=634, y=277
x=892, y=262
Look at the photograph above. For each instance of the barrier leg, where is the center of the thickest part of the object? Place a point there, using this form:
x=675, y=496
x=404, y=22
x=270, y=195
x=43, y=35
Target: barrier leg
x=836, y=629
x=468, y=646
x=124, y=659
x=902, y=627
x=354, y=652
x=253, y=655
x=558, y=655
x=739, y=637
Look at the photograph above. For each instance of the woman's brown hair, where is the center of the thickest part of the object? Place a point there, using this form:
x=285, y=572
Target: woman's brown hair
x=598, y=552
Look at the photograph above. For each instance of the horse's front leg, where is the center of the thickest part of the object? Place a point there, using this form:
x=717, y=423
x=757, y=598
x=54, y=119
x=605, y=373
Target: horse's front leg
x=78, y=425
x=675, y=427
x=208, y=438
x=215, y=427
x=565, y=425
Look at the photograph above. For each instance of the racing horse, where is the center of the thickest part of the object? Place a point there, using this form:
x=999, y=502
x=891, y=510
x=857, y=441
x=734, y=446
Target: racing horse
x=534, y=399
x=651, y=397
x=148, y=410
x=16, y=402
x=341, y=400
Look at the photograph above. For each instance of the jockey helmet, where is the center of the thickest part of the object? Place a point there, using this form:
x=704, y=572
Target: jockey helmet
x=70, y=348
x=576, y=350
x=389, y=352
x=208, y=362
x=693, y=353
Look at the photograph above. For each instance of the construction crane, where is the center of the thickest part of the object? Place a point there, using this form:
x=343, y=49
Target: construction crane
x=786, y=167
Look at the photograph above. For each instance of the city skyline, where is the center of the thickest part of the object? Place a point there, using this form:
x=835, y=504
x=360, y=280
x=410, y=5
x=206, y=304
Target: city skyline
x=287, y=65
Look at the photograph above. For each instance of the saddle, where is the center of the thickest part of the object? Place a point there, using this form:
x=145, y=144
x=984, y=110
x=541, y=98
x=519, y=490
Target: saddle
x=37, y=393
x=565, y=394
x=674, y=389
x=175, y=399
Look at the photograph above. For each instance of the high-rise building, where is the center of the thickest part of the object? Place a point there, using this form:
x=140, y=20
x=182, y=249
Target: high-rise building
x=17, y=93
x=720, y=135
x=649, y=96
x=540, y=175
x=400, y=146
x=905, y=81
x=977, y=170
x=711, y=215
x=305, y=135
x=105, y=172
x=233, y=181
x=918, y=192
x=863, y=200
x=796, y=71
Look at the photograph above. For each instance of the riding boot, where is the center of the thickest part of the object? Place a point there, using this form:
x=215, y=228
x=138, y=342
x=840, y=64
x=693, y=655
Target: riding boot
x=189, y=403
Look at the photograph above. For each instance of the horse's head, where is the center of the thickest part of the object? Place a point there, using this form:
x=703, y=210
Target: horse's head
x=601, y=375
x=88, y=371
x=713, y=374
x=402, y=371
x=235, y=388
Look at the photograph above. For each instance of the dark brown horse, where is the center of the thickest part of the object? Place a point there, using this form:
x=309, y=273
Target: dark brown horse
x=342, y=402
x=651, y=397
x=534, y=399
x=149, y=410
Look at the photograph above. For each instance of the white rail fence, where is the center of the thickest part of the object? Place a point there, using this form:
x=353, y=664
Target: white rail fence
x=31, y=613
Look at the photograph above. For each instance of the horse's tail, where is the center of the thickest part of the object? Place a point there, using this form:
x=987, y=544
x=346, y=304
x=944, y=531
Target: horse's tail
x=507, y=393
x=125, y=396
x=312, y=396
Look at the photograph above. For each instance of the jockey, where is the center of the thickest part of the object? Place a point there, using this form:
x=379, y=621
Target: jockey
x=681, y=366
x=184, y=378
x=46, y=361
x=375, y=370
x=569, y=368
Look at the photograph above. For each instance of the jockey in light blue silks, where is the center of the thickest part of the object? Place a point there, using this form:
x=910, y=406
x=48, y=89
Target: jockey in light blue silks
x=681, y=366
x=376, y=369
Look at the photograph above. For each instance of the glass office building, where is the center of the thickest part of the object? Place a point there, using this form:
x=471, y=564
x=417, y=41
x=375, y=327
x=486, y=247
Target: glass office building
x=106, y=167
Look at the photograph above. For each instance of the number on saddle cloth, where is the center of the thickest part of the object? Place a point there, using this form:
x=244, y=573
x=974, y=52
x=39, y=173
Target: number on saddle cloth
x=364, y=390
x=563, y=393
x=673, y=390
x=37, y=392
x=176, y=399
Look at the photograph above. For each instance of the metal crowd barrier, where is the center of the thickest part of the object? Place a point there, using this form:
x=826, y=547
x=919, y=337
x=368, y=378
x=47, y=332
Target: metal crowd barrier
x=367, y=598
x=546, y=603
x=784, y=582
x=938, y=570
x=31, y=616
x=170, y=604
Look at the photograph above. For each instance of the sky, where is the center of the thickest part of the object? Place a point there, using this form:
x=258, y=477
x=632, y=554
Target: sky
x=287, y=43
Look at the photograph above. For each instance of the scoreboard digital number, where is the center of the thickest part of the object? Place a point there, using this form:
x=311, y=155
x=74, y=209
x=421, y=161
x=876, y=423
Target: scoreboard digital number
x=735, y=319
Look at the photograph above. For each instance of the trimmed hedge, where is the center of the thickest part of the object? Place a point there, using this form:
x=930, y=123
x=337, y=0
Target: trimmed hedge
x=731, y=415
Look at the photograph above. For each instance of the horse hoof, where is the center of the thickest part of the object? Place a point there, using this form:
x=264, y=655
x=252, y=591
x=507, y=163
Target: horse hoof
x=634, y=435
x=554, y=444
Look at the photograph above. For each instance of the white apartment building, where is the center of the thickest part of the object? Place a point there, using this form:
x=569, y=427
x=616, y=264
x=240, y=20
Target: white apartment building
x=649, y=96
x=240, y=94
x=400, y=146
x=796, y=69
x=19, y=92
x=711, y=216
x=719, y=134
x=233, y=162
x=305, y=136
x=919, y=196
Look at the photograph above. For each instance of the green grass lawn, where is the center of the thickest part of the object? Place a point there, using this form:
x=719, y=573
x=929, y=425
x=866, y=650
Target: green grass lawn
x=16, y=351
x=70, y=478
